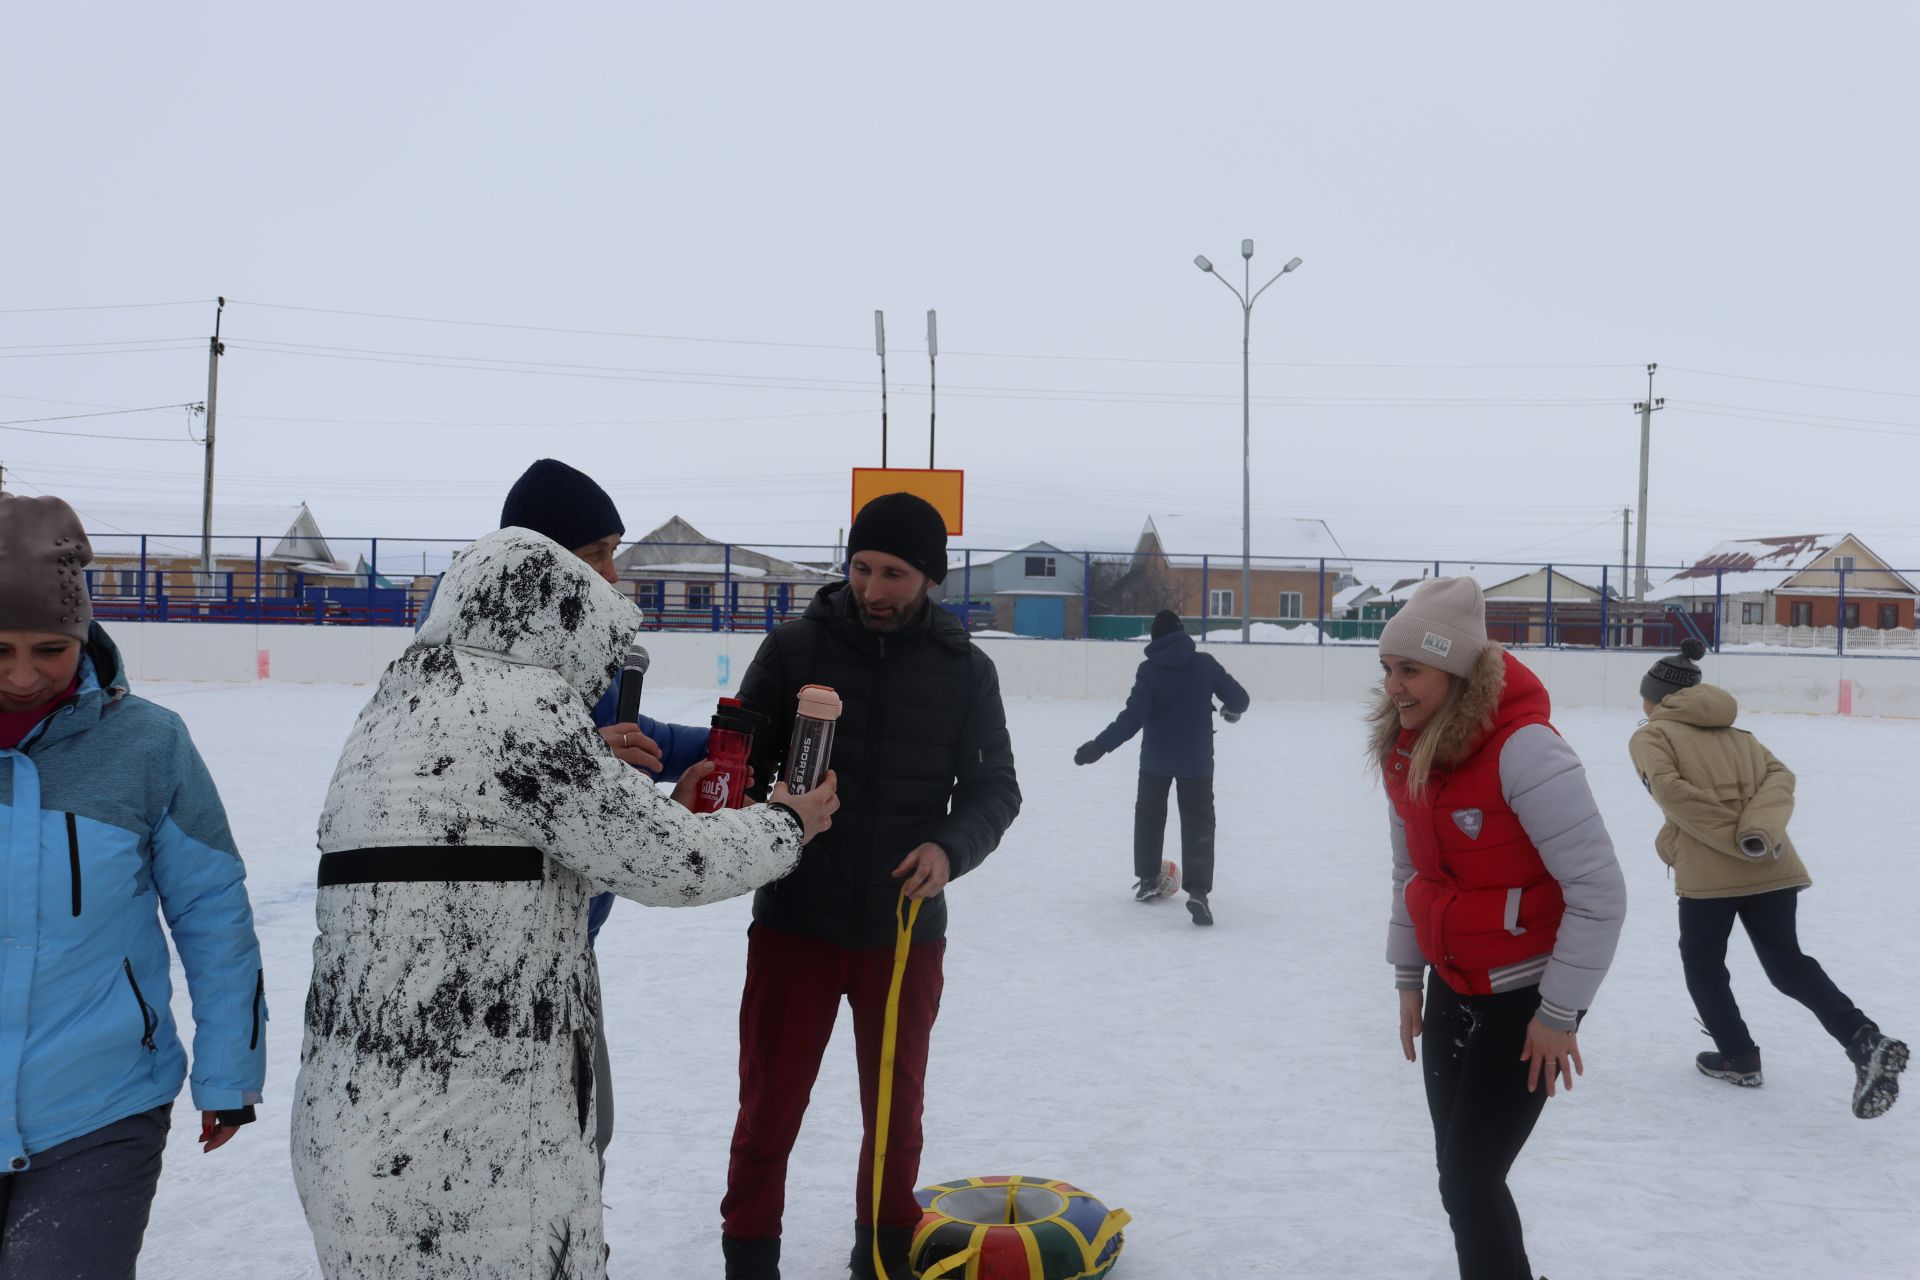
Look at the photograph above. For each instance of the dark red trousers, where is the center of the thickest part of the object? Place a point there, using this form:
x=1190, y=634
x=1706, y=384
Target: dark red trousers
x=794, y=987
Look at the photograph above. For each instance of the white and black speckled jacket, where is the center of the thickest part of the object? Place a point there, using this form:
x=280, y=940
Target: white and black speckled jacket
x=443, y=1123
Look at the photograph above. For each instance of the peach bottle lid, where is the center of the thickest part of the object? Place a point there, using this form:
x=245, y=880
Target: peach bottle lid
x=818, y=702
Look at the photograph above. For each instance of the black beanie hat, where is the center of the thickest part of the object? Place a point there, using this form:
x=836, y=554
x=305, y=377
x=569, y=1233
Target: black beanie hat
x=903, y=525
x=1166, y=622
x=566, y=505
x=1671, y=675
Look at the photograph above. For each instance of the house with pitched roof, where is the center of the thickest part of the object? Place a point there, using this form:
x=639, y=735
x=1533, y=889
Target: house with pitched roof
x=683, y=578
x=1764, y=587
x=1296, y=577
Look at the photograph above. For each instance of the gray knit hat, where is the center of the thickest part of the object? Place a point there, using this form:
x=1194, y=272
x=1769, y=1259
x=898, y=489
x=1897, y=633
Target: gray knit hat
x=1672, y=674
x=43, y=555
x=1444, y=625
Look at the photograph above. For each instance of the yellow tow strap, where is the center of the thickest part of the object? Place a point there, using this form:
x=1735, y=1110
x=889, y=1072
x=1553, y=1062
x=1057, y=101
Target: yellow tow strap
x=889, y=1044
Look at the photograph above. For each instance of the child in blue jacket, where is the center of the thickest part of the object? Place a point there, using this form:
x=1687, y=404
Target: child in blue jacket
x=108, y=821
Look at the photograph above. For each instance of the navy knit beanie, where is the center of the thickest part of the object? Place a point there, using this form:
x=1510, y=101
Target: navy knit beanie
x=1166, y=622
x=903, y=525
x=1671, y=675
x=566, y=505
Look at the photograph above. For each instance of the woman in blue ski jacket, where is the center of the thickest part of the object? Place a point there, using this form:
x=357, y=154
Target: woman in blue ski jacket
x=108, y=821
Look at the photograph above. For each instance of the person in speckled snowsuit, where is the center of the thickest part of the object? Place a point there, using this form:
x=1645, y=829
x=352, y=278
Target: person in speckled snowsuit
x=443, y=1118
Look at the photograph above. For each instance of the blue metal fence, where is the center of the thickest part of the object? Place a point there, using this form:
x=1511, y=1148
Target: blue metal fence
x=712, y=588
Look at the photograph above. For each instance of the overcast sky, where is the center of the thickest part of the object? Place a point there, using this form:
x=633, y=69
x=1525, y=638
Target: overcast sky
x=1503, y=215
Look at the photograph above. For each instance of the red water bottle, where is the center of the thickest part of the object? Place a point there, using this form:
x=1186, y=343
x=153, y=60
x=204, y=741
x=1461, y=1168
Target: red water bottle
x=729, y=746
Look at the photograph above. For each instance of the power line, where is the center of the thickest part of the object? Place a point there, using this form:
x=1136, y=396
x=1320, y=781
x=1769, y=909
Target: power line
x=125, y=342
x=180, y=345
x=846, y=386
x=824, y=346
x=1785, y=382
x=18, y=424
x=109, y=306
x=1808, y=417
x=1799, y=422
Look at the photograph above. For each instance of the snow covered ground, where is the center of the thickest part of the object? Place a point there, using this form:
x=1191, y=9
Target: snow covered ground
x=1239, y=1090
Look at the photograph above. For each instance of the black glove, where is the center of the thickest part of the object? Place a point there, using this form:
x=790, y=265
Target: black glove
x=1088, y=753
x=1231, y=717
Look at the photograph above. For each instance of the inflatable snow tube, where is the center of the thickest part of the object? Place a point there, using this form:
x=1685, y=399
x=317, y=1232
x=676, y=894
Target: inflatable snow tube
x=1015, y=1228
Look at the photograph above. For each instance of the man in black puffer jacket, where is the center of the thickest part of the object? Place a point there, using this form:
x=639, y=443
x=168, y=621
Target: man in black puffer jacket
x=1172, y=700
x=927, y=788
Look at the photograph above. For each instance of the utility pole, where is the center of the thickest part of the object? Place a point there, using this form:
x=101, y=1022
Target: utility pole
x=880, y=349
x=1626, y=523
x=214, y=351
x=933, y=352
x=1645, y=409
x=3, y=477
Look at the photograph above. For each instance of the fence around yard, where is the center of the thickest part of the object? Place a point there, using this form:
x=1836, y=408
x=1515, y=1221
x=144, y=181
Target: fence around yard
x=730, y=587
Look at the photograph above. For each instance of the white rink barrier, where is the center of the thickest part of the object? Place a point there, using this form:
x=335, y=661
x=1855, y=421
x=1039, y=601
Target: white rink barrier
x=1101, y=670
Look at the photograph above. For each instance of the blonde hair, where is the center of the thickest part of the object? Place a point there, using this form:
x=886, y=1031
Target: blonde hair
x=1385, y=738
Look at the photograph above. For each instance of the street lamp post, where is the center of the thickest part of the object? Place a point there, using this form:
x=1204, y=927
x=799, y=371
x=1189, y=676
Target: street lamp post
x=1246, y=298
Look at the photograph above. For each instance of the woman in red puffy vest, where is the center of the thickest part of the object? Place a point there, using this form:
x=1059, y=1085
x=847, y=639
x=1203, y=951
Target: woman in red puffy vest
x=1506, y=891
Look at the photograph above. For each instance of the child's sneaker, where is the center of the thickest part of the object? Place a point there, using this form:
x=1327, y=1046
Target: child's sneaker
x=1877, y=1064
x=1742, y=1069
x=1146, y=890
x=1197, y=908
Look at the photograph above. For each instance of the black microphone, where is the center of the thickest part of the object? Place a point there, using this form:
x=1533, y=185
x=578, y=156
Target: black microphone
x=633, y=669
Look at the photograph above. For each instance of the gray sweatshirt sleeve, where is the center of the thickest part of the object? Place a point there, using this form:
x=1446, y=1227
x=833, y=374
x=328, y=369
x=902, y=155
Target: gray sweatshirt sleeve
x=1546, y=786
x=1403, y=949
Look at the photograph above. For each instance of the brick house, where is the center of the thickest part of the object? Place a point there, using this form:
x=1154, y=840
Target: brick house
x=1298, y=585
x=1767, y=588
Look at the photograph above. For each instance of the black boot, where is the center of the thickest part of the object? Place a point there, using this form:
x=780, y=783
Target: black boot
x=1737, y=1068
x=1877, y=1064
x=896, y=1250
x=751, y=1259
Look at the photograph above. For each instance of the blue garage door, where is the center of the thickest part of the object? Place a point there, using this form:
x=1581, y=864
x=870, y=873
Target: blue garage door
x=1044, y=616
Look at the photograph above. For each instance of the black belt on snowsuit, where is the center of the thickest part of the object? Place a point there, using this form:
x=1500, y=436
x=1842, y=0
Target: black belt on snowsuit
x=431, y=864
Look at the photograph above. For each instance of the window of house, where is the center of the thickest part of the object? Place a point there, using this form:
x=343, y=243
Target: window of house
x=1843, y=563
x=1753, y=613
x=1042, y=567
x=648, y=596
x=700, y=595
x=1889, y=617
x=127, y=582
x=1220, y=603
x=1800, y=613
x=1290, y=604
x=1853, y=615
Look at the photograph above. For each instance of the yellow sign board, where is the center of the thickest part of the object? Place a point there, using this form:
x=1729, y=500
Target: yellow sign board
x=946, y=490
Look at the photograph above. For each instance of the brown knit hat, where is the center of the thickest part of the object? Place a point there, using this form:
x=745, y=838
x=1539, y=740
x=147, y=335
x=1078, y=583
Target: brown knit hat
x=43, y=555
x=1444, y=625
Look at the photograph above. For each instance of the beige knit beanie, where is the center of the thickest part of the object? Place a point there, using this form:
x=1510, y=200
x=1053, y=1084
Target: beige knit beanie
x=43, y=556
x=1444, y=625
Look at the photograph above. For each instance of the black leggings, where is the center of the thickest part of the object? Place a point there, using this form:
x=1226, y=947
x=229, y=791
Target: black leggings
x=1705, y=924
x=1482, y=1116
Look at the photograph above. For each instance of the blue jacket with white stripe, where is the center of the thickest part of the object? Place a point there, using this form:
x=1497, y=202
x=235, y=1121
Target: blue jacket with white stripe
x=109, y=820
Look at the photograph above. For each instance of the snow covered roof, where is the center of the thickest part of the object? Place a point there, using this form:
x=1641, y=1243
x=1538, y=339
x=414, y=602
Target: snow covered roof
x=1498, y=581
x=678, y=547
x=1279, y=542
x=290, y=533
x=1753, y=566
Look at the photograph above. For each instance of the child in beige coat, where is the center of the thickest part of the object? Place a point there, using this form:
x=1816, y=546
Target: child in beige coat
x=1727, y=801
